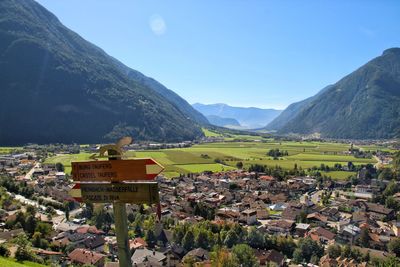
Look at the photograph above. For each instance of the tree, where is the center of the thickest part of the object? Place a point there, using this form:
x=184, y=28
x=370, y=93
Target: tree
x=285, y=245
x=394, y=246
x=20, y=218
x=364, y=237
x=30, y=224
x=221, y=257
x=99, y=216
x=390, y=262
x=391, y=203
x=31, y=210
x=179, y=233
x=307, y=248
x=66, y=208
x=239, y=165
x=396, y=164
x=334, y=251
x=36, y=240
x=88, y=210
x=245, y=255
x=350, y=165
x=189, y=261
x=188, y=240
x=314, y=259
x=346, y=252
x=297, y=256
x=391, y=189
x=231, y=238
x=150, y=238
x=50, y=210
x=367, y=257
x=60, y=167
x=386, y=174
x=255, y=239
x=202, y=239
x=4, y=252
x=302, y=217
x=24, y=248
x=44, y=229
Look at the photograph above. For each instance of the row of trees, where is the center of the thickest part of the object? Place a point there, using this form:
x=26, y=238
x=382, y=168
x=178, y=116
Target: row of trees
x=207, y=235
x=16, y=187
x=276, y=153
x=277, y=171
x=37, y=230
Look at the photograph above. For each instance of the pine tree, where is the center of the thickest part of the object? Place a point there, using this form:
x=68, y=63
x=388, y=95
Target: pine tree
x=188, y=240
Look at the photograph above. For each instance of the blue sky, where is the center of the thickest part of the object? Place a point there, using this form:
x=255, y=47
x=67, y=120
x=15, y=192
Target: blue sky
x=243, y=53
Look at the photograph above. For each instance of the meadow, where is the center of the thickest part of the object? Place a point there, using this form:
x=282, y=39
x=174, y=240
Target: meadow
x=225, y=155
x=8, y=262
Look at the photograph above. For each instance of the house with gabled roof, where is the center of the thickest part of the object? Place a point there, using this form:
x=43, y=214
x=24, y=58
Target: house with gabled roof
x=321, y=235
x=83, y=256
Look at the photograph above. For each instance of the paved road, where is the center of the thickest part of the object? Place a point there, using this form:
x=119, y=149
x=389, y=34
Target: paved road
x=29, y=174
x=379, y=162
x=34, y=203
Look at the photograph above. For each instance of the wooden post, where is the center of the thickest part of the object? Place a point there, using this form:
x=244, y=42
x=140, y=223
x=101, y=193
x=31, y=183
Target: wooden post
x=121, y=225
x=121, y=231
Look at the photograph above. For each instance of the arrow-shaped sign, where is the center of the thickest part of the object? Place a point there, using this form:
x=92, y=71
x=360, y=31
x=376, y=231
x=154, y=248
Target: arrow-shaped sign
x=115, y=170
x=138, y=193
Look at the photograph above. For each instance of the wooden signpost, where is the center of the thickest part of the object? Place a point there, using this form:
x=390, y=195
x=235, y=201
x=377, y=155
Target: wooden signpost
x=138, y=193
x=115, y=170
x=117, y=181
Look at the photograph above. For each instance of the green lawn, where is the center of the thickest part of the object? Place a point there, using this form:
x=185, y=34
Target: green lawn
x=203, y=157
x=8, y=262
x=7, y=150
x=214, y=167
x=209, y=133
x=339, y=175
x=66, y=159
x=274, y=212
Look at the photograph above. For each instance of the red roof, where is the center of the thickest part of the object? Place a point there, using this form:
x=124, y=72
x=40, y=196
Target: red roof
x=315, y=234
x=267, y=178
x=84, y=256
x=89, y=229
x=137, y=243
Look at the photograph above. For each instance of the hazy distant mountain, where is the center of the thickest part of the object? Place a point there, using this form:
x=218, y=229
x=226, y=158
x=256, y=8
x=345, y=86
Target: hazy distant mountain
x=249, y=118
x=57, y=87
x=363, y=105
x=291, y=111
x=223, y=122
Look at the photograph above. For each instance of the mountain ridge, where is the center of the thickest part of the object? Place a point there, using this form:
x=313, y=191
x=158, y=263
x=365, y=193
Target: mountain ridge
x=223, y=122
x=361, y=105
x=70, y=90
x=248, y=118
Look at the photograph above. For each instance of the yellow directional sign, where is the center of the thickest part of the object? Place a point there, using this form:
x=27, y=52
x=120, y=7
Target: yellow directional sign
x=138, y=193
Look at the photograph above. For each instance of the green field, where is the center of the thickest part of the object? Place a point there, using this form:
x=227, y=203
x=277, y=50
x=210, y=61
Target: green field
x=66, y=159
x=339, y=175
x=209, y=133
x=8, y=262
x=7, y=150
x=203, y=157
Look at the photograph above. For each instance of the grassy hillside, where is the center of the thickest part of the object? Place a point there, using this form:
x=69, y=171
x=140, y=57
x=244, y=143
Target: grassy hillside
x=8, y=262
